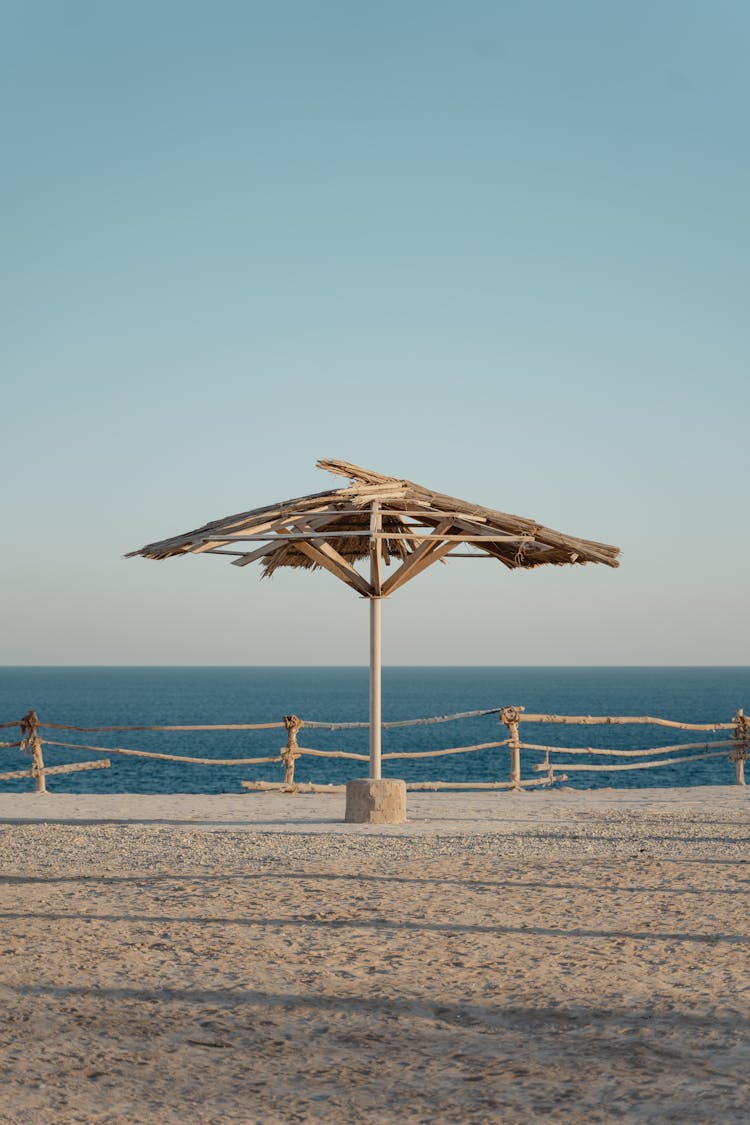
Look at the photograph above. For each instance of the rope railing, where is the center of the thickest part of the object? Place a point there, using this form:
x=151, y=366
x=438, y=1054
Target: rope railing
x=737, y=752
x=734, y=749
x=313, y=725
x=164, y=757
x=192, y=726
x=624, y=753
x=30, y=743
x=621, y=720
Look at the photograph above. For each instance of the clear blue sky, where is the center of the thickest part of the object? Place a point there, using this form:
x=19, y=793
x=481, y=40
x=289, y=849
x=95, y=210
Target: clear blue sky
x=498, y=248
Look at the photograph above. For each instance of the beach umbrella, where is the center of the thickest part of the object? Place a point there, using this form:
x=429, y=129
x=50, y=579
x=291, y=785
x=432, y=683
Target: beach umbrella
x=399, y=526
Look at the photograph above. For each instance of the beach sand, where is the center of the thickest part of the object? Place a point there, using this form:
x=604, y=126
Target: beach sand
x=558, y=956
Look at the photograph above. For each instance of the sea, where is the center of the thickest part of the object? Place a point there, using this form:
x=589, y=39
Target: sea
x=119, y=696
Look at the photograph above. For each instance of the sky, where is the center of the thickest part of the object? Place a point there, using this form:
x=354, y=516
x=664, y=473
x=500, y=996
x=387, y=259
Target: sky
x=501, y=249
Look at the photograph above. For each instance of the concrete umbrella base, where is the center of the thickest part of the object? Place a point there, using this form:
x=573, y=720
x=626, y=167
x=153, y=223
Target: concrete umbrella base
x=375, y=802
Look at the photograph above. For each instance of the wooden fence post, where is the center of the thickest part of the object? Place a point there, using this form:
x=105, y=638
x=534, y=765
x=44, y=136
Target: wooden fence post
x=510, y=716
x=741, y=738
x=30, y=741
x=290, y=753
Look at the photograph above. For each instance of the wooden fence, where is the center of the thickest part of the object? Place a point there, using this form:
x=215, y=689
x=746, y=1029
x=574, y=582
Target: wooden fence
x=552, y=769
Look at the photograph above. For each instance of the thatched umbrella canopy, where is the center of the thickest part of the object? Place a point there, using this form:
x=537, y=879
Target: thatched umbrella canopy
x=391, y=522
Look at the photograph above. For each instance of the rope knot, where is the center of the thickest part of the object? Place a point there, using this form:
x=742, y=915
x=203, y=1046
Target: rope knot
x=293, y=724
x=29, y=724
x=741, y=736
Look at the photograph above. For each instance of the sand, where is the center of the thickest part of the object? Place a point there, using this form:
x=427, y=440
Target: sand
x=577, y=957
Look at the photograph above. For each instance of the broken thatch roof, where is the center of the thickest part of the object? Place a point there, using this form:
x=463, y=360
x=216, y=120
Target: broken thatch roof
x=384, y=517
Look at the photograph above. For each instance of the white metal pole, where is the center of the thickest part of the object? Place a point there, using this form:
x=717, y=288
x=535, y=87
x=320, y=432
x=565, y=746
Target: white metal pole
x=376, y=524
x=375, y=688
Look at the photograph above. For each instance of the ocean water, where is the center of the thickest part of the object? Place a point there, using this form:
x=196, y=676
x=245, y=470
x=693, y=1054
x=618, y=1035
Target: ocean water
x=121, y=696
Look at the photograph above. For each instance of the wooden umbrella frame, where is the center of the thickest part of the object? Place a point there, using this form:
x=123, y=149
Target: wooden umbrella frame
x=386, y=520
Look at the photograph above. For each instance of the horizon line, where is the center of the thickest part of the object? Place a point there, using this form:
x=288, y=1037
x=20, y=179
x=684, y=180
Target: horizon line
x=365, y=666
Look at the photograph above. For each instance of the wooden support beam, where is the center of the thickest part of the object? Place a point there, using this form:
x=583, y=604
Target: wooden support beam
x=328, y=557
x=376, y=524
x=401, y=577
x=261, y=553
x=426, y=554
